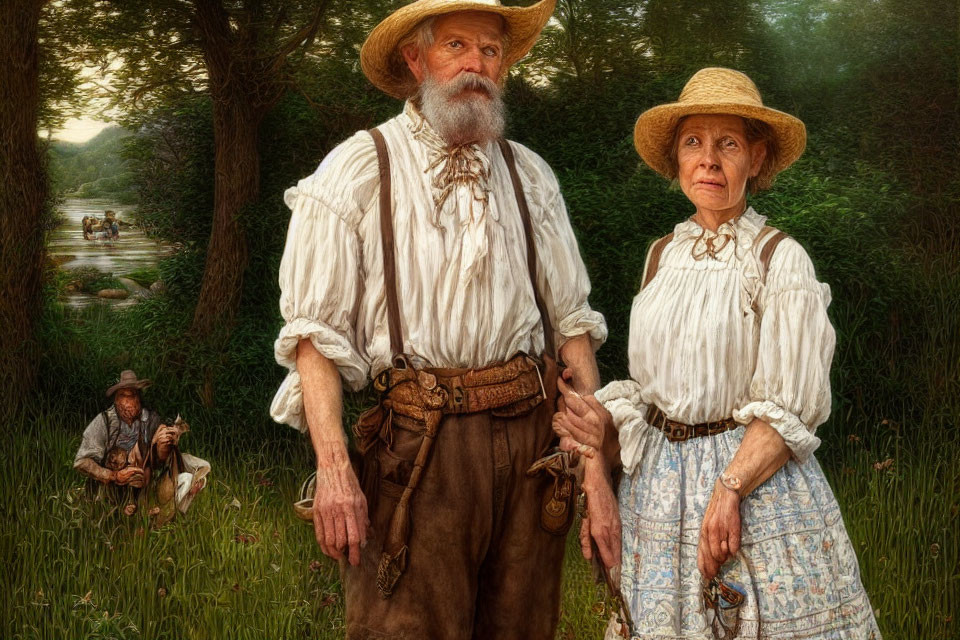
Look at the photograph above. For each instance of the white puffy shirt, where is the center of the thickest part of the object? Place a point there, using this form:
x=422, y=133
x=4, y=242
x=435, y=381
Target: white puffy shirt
x=708, y=341
x=452, y=314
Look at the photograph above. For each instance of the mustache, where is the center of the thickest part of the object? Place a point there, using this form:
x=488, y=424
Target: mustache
x=469, y=81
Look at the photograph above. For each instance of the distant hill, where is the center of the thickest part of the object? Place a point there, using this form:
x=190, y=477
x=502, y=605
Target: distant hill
x=93, y=169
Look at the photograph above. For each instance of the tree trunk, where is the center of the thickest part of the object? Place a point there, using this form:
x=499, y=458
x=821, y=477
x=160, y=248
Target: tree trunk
x=23, y=190
x=236, y=184
x=236, y=126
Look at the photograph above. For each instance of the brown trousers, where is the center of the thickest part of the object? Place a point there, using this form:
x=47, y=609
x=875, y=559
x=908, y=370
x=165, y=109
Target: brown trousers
x=479, y=564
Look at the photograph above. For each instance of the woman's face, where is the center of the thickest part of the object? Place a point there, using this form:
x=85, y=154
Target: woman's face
x=714, y=160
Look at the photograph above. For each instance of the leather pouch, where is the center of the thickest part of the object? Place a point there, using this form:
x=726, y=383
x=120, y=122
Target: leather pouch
x=557, y=505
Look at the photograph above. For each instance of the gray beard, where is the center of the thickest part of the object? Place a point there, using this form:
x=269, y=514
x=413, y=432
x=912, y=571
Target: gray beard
x=463, y=119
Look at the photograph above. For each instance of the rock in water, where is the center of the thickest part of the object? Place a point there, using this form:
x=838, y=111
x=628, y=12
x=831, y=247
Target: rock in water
x=113, y=294
x=134, y=287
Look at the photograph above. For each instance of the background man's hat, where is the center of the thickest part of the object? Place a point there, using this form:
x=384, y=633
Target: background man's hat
x=715, y=90
x=523, y=28
x=128, y=380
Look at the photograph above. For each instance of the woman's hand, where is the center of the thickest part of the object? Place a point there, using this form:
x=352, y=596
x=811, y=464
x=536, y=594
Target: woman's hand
x=719, y=532
x=585, y=421
x=602, y=522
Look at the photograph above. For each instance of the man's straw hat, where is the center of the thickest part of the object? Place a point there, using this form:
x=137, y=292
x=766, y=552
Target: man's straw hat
x=377, y=56
x=715, y=90
x=128, y=380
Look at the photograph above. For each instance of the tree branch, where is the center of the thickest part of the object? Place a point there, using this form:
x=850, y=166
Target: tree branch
x=302, y=37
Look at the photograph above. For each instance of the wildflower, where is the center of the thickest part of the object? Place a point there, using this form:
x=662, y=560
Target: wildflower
x=934, y=549
x=853, y=438
x=162, y=592
x=315, y=566
x=883, y=466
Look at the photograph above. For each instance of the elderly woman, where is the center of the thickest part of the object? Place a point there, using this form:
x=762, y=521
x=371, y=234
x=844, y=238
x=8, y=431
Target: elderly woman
x=729, y=528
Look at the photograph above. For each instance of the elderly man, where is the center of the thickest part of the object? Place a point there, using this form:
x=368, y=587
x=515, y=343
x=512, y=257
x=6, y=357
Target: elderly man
x=124, y=443
x=125, y=426
x=437, y=258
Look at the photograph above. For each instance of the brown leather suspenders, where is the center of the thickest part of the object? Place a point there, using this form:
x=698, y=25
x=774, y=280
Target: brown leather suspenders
x=387, y=243
x=548, y=336
x=389, y=248
x=766, y=254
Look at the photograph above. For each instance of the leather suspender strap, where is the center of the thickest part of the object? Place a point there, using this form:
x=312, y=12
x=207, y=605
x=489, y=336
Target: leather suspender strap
x=387, y=243
x=654, y=262
x=508, y=156
x=766, y=254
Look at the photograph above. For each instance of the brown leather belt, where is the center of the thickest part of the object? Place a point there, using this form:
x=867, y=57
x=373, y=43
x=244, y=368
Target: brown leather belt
x=510, y=388
x=679, y=432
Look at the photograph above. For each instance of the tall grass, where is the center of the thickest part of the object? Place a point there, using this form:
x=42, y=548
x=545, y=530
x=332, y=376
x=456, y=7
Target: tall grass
x=239, y=565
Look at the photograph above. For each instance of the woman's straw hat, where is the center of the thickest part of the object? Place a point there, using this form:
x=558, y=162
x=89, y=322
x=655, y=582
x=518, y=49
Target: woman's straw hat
x=715, y=90
x=377, y=55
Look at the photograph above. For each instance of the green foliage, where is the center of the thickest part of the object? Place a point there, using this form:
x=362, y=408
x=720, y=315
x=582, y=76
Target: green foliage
x=873, y=201
x=87, y=280
x=94, y=169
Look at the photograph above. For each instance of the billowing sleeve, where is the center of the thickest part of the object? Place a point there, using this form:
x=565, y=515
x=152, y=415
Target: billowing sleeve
x=320, y=272
x=94, y=442
x=622, y=399
x=561, y=272
x=790, y=388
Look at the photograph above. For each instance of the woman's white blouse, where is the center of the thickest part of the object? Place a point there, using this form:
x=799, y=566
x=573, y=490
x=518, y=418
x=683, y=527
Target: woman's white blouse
x=462, y=280
x=710, y=340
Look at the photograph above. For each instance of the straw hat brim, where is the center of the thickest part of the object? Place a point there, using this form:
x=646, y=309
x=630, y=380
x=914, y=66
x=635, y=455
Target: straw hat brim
x=303, y=507
x=655, y=129
x=524, y=25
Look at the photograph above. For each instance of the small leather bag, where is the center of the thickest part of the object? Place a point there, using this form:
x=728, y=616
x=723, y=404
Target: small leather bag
x=557, y=505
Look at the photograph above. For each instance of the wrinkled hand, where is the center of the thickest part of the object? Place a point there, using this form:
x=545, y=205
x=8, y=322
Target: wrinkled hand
x=584, y=420
x=720, y=531
x=130, y=475
x=602, y=523
x=165, y=437
x=340, y=519
x=198, y=486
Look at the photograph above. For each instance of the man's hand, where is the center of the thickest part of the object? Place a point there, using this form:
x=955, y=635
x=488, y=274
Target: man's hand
x=720, y=531
x=165, y=437
x=340, y=519
x=129, y=475
x=602, y=523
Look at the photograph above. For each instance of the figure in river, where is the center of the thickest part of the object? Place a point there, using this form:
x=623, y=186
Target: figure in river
x=106, y=229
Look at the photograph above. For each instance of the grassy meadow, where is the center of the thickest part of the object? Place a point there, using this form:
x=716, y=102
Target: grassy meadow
x=239, y=565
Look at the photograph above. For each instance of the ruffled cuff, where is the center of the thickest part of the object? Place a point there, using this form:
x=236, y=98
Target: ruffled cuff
x=287, y=405
x=622, y=399
x=580, y=321
x=795, y=433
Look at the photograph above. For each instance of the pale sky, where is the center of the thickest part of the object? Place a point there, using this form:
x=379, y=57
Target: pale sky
x=78, y=130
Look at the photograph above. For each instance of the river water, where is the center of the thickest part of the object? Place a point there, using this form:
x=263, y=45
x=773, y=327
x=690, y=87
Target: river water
x=132, y=250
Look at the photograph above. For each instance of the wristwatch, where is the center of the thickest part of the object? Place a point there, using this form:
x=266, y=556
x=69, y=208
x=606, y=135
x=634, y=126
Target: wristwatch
x=731, y=481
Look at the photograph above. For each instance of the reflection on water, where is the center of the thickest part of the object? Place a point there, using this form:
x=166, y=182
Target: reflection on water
x=132, y=250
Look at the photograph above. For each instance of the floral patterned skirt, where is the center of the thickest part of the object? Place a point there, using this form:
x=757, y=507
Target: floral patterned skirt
x=796, y=565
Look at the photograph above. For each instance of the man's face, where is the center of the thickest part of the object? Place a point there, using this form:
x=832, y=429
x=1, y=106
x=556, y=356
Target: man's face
x=463, y=42
x=127, y=402
x=457, y=76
